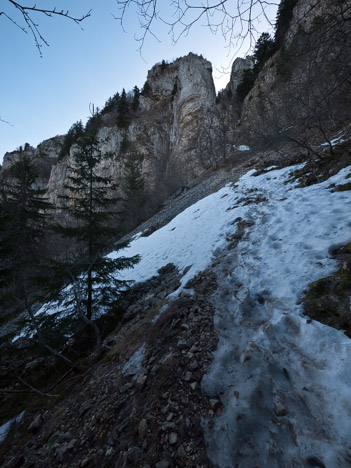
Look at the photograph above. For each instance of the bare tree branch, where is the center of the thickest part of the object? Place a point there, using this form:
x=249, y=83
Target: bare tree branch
x=235, y=20
x=6, y=122
x=33, y=389
x=27, y=14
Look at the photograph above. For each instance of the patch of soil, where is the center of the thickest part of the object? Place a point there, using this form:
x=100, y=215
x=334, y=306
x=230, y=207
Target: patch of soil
x=328, y=299
x=319, y=169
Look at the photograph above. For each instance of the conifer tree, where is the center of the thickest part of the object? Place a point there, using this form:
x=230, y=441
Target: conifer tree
x=123, y=111
x=133, y=187
x=73, y=134
x=91, y=275
x=23, y=222
x=136, y=94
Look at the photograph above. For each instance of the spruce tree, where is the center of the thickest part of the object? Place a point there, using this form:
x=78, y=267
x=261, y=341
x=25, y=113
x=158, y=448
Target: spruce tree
x=123, y=118
x=136, y=95
x=74, y=133
x=23, y=222
x=133, y=187
x=92, y=275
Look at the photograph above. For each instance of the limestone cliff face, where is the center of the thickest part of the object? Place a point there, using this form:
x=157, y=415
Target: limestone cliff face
x=164, y=130
x=44, y=157
x=180, y=129
x=239, y=66
x=306, y=84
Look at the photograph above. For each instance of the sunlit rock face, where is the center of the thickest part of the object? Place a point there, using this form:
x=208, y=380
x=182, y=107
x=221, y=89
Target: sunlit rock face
x=181, y=93
x=239, y=66
x=44, y=157
x=164, y=130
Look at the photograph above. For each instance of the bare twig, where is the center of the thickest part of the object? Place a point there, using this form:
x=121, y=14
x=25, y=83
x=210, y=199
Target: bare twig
x=236, y=21
x=30, y=24
x=6, y=122
x=60, y=380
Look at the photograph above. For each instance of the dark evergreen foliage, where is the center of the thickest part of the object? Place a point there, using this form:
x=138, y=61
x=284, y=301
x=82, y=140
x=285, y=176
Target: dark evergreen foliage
x=135, y=102
x=284, y=17
x=175, y=89
x=23, y=220
x=134, y=182
x=267, y=46
x=146, y=91
x=93, y=124
x=125, y=144
x=264, y=49
x=73, y=134
x=111, y=104
x=247, y=83
x=89, y=203
x=133, y=187
x=123, y=118
x=164, y=65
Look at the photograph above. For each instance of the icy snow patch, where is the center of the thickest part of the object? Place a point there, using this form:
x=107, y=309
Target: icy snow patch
x=5, y=428
x=191, y=238
x=134, y=365
x=334, y=141
x=244, y=148
x=267, y=352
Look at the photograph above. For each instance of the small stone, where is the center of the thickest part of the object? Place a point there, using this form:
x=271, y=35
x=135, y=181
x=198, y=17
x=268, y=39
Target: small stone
x=141, y=381
x=134, y=455
x=170, y=417
x=214, y=404
x=109, y=452
x=279, y=409
x=155, y=369
x=84, y=462
x=191, y=341
x=172, y=438
x=84, y=408
x=194, y=365
x=35, y=425
x=162, y=464
x=182, y=344
x=181, y=452
x=169, y=425
x=193, y=385
x=188, y=376
x=142, y=428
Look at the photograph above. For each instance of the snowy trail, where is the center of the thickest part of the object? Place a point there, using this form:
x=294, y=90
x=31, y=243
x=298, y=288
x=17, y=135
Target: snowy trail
x=285, y=384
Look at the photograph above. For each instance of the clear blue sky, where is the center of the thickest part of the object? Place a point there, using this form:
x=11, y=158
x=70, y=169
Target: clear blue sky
x=42, y=97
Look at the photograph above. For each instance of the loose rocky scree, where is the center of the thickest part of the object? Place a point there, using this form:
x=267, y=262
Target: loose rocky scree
x=146, y=416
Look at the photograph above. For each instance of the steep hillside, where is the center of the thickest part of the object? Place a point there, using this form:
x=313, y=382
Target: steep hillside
x=299, y=94
x=232, y=347
x=215, y=363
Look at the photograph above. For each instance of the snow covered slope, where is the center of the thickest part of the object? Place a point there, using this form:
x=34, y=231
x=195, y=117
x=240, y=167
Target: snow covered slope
x=284, y=383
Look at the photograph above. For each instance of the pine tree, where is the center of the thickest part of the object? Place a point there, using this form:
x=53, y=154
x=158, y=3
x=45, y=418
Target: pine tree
x=22, y=229
x=123, y=119
x=146, y=91
x=284, y=17
x=136, y=95
x=74, y=133
x=92, y=276
x=133, y=187
x=264, y=49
